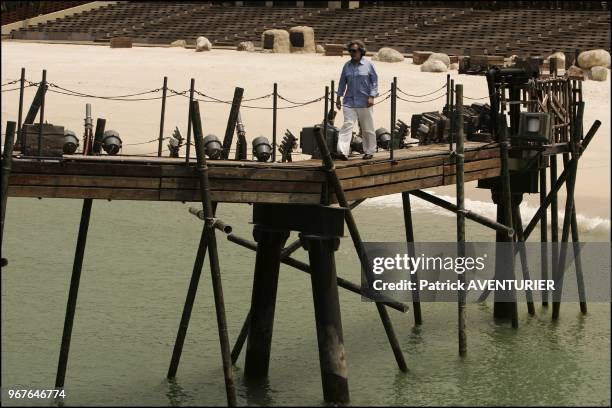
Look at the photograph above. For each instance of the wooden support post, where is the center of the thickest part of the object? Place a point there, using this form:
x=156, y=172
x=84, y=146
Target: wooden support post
x=543, y=236
x=73, y=293
x=504, y=310
x=7, y=160
x=393, y=113
x=19, y=142
x=332, y=360
x=577, y=258
x=461, y=295
x=263, y=300
x=188, y=143
x=329, y=167
x=162, y=117
x=188, y=307
x=518, y=227
x=274, y=114
x=231, y=122
x=416, y=301
x=554, y=216
x=213, y=257
x=43, y=84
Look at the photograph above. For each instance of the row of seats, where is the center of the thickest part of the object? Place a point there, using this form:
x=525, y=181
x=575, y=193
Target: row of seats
x=31, y=9
x=457, y=31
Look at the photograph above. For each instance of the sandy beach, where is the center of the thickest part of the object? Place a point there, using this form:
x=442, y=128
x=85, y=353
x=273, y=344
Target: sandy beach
x=100, y=70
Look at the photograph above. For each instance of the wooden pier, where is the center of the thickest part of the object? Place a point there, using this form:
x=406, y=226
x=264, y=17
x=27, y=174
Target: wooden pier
x=301, y=182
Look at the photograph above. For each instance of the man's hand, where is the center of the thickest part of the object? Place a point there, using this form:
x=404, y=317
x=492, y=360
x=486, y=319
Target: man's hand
x=370, y=101
x=338, y=103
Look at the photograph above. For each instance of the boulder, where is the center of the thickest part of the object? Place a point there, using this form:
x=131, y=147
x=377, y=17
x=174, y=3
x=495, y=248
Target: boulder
x=438, y=56
x=599, y=74
x=320, y=49
x=433, y=66
x=386, y=54
x=202, y=44
x=276, y=41
x=302, y=39
x=594, y=58
x=560, y=59
x=510, y=61
x=178, y=43
x=246, y=46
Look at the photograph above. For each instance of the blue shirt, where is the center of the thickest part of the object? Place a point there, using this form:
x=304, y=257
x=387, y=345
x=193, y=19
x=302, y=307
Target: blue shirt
x=357, y=83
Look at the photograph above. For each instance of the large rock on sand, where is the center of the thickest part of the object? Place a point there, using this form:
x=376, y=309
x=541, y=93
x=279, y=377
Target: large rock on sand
x=178, y=43
x=574, y=72
x=203, y=44
x=433, y=66
x=275, y=41
x=386, y=54
x=598, y=73
x=246, y=46
x=302, y=39
x=438, y=56
x=320, y=49
x=594, y=58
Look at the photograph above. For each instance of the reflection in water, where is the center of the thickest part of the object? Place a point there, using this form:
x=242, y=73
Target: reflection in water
x=176, y=395
x=258, y=392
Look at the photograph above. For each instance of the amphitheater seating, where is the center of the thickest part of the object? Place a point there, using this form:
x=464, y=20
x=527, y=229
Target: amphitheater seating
x=457, y=31
x=33, y=9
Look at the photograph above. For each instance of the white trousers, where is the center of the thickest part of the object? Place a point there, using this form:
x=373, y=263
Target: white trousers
x=366, y=119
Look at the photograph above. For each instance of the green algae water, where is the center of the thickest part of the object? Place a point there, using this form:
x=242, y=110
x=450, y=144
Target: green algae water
x=136, y=271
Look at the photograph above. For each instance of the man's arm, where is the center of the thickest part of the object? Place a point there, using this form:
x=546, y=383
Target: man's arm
x=341, y=87
x=373, y=76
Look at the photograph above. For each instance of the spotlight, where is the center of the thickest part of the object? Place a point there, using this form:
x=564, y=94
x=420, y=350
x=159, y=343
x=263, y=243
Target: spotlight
x=356, y=143
x=535, y=126
x=383, y=138
x=111, y=142
x=262, y=149
x=70, y=142
x=212, y=147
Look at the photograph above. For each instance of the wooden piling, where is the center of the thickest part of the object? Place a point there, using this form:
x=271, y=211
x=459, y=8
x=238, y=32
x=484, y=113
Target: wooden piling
x=461, y=295
x=231, y=122
x=43, y=83
x=188, y=144
x=329, y=166
x=554, y=216
x=505, y=310
x=213, y=255
x=543, y=236
x=162, y=117
x=518, y=227
x=332, y=358
x=20, y=111
x=73, y=293
x=393, y=115
x=416, y=300
x=7, y=159
x=263, y=300
x=274, y=120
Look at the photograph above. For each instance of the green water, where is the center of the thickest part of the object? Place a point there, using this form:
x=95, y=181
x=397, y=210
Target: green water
x=137, y=266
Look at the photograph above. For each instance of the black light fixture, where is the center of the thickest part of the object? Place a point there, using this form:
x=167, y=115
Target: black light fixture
x=111, y=142
x=70, y=143
x=212, y=147
x=262, y=150
x=356, y=143
x=535, y=127
x=383, y=138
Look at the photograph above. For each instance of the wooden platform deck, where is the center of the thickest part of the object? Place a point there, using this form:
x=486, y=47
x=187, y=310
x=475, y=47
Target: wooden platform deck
x=301, y=182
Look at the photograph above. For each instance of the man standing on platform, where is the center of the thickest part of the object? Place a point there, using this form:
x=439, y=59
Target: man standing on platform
x=359, y=86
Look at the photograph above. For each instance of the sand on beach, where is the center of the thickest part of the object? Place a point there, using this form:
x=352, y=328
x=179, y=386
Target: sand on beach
x=100, y=70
